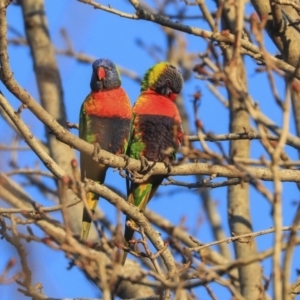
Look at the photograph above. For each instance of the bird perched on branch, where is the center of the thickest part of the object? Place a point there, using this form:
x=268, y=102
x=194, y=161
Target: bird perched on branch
x=105, y=118
x=156, y=131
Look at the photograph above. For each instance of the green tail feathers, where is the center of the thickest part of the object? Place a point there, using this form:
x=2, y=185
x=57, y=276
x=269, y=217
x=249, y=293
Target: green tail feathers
x=139, y=196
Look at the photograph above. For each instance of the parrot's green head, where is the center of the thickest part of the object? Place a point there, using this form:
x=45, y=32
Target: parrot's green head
x=105, y=75
x=164, y=79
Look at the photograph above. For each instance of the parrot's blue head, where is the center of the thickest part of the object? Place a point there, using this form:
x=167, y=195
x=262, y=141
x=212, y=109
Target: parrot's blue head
x=105, y=75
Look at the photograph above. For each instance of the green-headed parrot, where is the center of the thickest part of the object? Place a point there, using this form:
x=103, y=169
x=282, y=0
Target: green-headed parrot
x=156, y=130
x=105, y=118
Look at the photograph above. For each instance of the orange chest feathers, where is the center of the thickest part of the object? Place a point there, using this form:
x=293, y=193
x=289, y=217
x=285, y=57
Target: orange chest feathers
x=113, y=103
x=150, y=103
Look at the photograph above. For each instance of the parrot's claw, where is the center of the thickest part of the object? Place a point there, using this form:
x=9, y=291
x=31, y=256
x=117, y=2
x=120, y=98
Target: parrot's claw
x=96, y=151
x=144, y=163
x=126, y=159
x=132, y=225
x=168, y=165
x=72, y=264
x=123, y=174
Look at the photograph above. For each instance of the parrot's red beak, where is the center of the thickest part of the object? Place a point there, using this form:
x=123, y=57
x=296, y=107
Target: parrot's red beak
x=101, y=73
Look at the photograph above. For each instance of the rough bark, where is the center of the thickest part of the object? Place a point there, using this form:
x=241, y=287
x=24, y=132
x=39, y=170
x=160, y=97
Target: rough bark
x=238, y=196
x=238, y=208
x=50, y=88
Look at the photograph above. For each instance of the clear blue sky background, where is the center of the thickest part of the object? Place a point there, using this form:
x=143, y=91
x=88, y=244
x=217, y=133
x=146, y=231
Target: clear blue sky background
x=100, y=34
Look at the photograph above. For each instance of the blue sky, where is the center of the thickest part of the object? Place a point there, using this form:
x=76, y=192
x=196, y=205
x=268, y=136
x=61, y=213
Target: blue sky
x=100, y=34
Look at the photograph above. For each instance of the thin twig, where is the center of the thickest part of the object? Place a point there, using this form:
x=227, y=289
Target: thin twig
x=289, y=253
x=40, y=210
x=142, y=13
x=243, y=238
x=278, y=195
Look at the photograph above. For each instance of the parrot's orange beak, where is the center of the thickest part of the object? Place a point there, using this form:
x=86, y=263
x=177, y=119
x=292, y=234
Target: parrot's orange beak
x=101, y=73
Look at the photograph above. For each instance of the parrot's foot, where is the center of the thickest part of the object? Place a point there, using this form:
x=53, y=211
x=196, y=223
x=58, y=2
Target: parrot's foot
x=96, y=151
x=168, y=165
x=145, y=171
x=124, y=174
x=126, y=159
x=140, y=178
x=132, y=225
x=144, y=163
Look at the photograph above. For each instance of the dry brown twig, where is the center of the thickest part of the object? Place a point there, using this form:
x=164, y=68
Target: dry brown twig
x=275, y=156
x=79, y=56
x=289, y=252
x=39, y=210
x=85, y=257
x=29, y=172
x=243, y=238
x=142, y=13
x=14, y=240
x=293, y=4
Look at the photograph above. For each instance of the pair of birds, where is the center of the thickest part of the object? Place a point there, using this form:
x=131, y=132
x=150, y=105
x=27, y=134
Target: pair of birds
x=151, y=129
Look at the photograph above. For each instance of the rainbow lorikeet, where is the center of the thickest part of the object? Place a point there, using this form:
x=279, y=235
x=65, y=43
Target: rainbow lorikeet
x=156, y=130
x=105, y=118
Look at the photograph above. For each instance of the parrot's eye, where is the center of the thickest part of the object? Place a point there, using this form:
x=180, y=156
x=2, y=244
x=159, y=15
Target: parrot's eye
x=168, y=82
x=109, y=68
